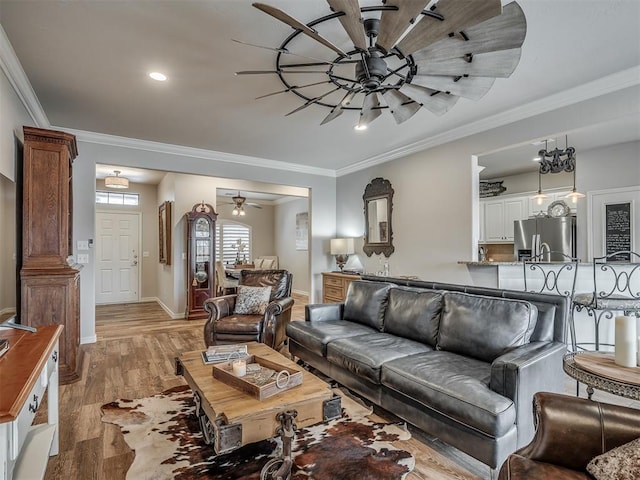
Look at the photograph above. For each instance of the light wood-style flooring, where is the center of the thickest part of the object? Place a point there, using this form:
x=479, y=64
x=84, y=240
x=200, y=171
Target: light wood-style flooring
x=134, y=357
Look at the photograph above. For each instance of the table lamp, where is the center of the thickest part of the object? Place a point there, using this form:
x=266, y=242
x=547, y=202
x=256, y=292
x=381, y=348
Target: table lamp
x=342, y=248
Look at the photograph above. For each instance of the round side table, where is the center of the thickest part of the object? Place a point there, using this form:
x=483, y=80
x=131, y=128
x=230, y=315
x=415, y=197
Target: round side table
x=598, y=370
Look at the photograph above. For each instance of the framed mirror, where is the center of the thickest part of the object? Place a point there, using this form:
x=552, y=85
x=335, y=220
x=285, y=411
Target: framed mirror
x=164, y=233
x=378, y=205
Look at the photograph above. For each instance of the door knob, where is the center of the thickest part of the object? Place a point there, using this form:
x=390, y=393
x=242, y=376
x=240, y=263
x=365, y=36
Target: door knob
x=135, y=262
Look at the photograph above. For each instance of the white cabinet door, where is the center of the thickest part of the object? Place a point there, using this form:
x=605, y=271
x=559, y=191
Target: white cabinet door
x=536, y=208
x=494, y=221
x=514, y=209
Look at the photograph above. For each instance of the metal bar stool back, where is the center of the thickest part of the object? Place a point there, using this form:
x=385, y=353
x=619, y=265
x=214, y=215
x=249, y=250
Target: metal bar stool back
x=616, y=288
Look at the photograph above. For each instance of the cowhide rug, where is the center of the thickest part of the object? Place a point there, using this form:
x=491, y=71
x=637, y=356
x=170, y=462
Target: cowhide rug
x=164, y=433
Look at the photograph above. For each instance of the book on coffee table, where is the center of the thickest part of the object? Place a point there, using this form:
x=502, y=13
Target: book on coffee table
x=222, y=353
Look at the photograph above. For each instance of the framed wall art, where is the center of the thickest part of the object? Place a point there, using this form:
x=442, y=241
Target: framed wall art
x=164, y=232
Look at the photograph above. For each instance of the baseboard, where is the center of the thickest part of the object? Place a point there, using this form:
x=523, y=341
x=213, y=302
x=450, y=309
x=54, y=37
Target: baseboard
x=90, y=339
x=300, y=292
x=173, y=315
x=149, y=300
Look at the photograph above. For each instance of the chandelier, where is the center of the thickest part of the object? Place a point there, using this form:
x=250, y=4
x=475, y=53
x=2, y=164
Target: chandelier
x=557, y=161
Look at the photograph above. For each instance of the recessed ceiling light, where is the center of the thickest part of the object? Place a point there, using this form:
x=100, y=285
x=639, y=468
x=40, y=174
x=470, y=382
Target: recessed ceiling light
x=160, y=77
x=360, y=127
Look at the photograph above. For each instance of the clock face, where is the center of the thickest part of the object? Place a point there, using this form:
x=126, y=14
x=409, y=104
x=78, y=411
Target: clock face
x=558, y=209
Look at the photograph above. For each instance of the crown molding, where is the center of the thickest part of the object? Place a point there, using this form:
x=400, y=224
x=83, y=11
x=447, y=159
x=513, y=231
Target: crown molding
x=602, y=86
x=12, y=68
x=147, y=145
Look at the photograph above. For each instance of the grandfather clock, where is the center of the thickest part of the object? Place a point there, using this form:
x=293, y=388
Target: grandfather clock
x=201, y=258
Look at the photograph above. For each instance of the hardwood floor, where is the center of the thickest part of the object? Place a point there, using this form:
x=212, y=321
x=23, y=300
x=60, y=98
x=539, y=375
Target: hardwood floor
x=134, y=357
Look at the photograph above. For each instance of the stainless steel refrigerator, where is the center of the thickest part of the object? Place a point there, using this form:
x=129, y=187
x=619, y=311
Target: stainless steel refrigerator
x=538, y=236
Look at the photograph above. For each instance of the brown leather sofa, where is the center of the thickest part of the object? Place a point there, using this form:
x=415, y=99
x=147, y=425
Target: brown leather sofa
x=223, y=326
x=570, y=432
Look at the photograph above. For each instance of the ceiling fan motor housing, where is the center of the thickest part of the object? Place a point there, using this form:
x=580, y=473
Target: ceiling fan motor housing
x=370, y=75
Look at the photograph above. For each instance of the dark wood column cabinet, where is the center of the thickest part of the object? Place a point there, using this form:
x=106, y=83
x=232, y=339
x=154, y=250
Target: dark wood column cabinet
x=201, y=258
x=49, y=278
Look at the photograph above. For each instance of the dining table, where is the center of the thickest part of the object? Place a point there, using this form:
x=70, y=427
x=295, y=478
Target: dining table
x=234, y=270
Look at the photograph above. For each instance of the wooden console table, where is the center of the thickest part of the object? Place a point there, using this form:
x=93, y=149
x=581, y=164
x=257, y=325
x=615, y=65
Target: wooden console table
x=335, y=286
x=26, y=370
x=599, y=370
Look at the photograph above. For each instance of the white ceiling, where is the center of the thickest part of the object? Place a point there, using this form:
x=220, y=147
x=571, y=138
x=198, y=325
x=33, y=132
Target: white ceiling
x=88, y=63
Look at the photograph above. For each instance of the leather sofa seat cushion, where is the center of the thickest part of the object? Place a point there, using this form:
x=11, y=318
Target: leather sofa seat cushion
x=245, y=324
x=455, y=386
x=366, y=303
x=414, y=314
x=315, y=335
x=523, y=468
x=484, y=327
x=364, y=354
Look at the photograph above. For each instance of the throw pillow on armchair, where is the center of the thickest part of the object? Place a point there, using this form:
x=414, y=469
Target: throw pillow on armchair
x=252, y=300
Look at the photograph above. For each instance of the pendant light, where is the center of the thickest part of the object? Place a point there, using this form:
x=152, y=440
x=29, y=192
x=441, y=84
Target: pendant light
x=540, y=197
x=574, y=195
x=116, y=181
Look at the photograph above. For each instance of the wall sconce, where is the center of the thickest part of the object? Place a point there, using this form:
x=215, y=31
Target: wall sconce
x=342, y=248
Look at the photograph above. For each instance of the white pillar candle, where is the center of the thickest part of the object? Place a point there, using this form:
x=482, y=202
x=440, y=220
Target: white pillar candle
x=626, y=342
x=239, y=368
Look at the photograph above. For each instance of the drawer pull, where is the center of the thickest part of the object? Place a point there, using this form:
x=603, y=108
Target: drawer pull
x=55, y=356
x=34, y=406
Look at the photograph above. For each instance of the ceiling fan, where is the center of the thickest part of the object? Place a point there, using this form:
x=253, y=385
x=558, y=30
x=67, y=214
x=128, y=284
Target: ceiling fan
x=414, y=53
x=239, y=202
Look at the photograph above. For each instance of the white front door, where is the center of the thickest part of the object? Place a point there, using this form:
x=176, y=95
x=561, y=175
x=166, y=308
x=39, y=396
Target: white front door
x=117, y=244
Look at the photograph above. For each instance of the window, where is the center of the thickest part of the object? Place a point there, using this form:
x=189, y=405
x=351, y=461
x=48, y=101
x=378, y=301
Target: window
x=228, y=236
x=116, y=198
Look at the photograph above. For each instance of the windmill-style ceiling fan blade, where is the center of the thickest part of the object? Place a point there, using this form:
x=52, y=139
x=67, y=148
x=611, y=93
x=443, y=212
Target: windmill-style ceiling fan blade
x=458, y=15
x=393, y=23
x=284, y=51
x=402, y=107
x=491, y=64
x=294, y=87
x=503, y=32
x=263, y=72
x=351, y=21
x=338, y=109
x=467, y=87
x=439, y=103
x=370, y=110
x=296, y=24
x=312, y=101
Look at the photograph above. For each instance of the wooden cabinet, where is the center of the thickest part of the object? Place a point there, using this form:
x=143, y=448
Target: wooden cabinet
x=201, y=258
x=49, y=279
x=335, y=286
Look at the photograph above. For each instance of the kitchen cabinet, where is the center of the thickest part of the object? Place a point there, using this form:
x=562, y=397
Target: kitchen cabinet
x=499, y=216
x=536, y=209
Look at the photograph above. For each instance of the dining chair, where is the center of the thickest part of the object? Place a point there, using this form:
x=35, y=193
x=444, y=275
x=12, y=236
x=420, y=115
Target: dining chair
x=557, y=277
x=616, y=288
x=224, y=284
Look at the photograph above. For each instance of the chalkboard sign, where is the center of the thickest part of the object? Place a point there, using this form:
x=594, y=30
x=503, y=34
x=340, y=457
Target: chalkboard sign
x=618, y=230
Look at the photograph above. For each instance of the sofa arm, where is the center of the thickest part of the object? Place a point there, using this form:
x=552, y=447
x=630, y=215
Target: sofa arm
x=323, y=311
x=217, y=307
x=522, y=372
x=571, y=431
x=274, y=327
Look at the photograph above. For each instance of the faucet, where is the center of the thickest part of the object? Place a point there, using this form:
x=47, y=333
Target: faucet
x=543, y=246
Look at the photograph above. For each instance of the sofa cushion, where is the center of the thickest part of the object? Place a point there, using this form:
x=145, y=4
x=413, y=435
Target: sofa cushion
x=454, y=385
x=315, y=335
x=484, y=327
x=366, y=303
x=278, y=280
x=414, y=314
x=364, y=354
x=239, y=324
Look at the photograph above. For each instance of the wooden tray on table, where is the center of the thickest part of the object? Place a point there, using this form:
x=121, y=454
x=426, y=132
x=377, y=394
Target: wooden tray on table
x=271, y=378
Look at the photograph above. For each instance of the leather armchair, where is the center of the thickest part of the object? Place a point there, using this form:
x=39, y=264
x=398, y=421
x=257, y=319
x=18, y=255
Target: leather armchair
x=570, y=432
x=223, y=326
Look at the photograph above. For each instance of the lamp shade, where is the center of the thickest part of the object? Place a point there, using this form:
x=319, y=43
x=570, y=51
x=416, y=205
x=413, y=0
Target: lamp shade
x=342, y=246
x=116, y=181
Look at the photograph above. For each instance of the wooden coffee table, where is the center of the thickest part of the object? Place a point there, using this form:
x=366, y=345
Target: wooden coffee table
x=230, y=418
x=599, y=370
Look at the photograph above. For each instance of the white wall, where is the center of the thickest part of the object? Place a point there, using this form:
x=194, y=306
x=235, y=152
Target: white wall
x=434, y=202
x=296, y=261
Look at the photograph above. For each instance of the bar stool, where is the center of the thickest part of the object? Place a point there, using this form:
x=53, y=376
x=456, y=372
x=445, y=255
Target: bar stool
x=616, y=288
x=556, y=275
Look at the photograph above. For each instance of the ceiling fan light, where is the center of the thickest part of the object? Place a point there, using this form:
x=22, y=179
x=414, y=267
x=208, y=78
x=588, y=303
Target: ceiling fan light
x=116, y=181
x=235, y=212
x=242, y=212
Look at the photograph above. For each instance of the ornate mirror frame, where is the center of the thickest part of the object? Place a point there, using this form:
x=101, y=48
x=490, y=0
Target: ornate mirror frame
x=378, y=192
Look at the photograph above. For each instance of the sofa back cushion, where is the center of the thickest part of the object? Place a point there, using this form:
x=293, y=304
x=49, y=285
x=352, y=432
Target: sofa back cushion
x=366, y=302
x=484, y=327
x=414, y=314
x=279, y=281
